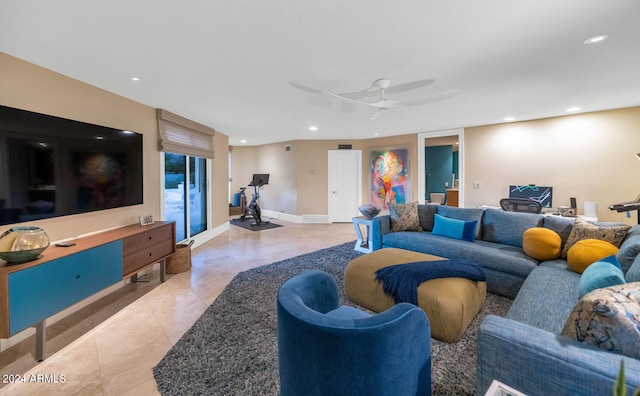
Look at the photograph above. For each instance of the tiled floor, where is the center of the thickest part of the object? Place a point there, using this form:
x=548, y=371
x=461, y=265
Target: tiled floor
x=110, y=347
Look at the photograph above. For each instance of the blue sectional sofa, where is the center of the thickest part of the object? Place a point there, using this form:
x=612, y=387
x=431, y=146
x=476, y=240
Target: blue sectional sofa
x=525, y=349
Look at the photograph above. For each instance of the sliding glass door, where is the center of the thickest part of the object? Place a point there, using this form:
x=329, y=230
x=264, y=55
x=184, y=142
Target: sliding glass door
x=185, y=194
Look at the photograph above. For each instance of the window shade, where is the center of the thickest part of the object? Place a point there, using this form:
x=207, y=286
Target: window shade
x=182, y=136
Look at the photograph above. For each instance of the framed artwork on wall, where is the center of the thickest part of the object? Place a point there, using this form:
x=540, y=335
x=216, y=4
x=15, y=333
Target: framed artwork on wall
x=389, y=177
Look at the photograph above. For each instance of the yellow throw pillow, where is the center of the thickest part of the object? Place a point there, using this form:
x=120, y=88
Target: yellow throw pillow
x=541, y=243
x=587, y=251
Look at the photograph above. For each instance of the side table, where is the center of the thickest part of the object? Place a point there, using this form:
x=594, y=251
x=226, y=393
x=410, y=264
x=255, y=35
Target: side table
x=363, y=244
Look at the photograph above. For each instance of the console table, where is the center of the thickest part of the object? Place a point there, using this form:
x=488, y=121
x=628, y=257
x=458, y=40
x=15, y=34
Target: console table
x=62, y=276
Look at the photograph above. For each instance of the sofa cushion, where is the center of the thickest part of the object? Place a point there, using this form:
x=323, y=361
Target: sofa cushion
x=608, y=319
x=425, y=214
x=466, y=214
x=587, y=251
x=633, y=274
x=614, y=234
x=541, y=243
x=507, y=227
x=454, y=228
x=598, y=275
x=547, y=297
x=629, y=250
x=404, y=217
x=559, y=224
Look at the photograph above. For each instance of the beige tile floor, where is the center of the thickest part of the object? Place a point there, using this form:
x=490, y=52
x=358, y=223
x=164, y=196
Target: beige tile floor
x=110, y=346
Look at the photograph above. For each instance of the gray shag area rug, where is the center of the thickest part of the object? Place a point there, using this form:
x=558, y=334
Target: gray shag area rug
x=232, y=348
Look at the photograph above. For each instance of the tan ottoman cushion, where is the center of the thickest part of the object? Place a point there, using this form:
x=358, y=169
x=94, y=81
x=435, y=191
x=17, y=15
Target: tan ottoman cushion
x=450, y=303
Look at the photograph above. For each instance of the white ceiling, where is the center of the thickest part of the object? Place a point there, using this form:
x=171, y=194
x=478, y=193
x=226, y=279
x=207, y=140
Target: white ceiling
x=228, y=63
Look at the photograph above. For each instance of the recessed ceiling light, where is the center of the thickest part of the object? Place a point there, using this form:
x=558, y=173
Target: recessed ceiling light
x=135, y=78
x=376, y=134
x=313, y=128
x=99, y=138
x=243, y=141
x=509, y=118
x=572, y=109
x=595, y=39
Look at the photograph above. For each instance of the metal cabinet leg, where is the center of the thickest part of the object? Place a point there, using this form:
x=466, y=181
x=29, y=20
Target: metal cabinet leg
x=41, y=340
x=163, y=269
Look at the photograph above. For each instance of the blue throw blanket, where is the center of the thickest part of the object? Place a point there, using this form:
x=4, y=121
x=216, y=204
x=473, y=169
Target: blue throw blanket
x=401, y=281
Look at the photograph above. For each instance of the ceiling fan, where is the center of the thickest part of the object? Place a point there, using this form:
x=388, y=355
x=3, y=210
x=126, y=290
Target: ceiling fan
x=381, y=87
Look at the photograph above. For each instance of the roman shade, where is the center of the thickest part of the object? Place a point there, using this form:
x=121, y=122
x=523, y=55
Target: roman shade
x=183, y=136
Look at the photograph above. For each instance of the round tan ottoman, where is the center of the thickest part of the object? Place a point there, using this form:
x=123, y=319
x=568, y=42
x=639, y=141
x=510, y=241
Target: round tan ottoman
x=450, y=303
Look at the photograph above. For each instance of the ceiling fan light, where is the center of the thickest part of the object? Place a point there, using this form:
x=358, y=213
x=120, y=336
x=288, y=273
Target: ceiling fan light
x=595, y=39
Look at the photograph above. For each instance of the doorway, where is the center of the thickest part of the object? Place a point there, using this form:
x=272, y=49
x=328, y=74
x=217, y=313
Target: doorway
x=438, y=169
x=344, y=185
x=425, y=139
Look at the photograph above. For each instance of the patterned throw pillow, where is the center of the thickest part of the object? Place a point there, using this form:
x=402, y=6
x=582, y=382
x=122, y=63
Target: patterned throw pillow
x=404, y=217
x=585, y=230
x=608, y=318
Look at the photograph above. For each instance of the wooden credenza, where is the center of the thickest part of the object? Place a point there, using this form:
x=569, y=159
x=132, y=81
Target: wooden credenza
x=62, y=276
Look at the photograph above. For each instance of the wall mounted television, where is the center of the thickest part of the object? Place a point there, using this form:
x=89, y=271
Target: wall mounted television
x=51, y=166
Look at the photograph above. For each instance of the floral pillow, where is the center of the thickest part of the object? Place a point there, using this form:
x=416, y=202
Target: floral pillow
x=585, y=230
x=608, y=318
x=404, y=217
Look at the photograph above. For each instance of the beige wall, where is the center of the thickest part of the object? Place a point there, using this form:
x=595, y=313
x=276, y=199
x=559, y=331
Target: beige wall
x=299, y=178
x=26, y=86
x=587, y=156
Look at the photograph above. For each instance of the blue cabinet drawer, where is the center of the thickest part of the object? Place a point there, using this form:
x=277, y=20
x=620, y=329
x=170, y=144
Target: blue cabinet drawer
x=44, y=290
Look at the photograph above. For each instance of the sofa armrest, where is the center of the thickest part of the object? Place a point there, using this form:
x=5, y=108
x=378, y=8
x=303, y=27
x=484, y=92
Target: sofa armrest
x=537, y=362
x=380, y=225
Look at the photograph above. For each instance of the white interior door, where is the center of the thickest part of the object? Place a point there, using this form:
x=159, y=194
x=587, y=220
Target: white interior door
x=345, y=184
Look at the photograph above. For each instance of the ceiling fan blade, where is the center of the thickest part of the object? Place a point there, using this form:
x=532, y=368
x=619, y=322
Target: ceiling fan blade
x=374, y=90
x=305, y=88
x=430, y=98
x=408, y=86
x=349, y=99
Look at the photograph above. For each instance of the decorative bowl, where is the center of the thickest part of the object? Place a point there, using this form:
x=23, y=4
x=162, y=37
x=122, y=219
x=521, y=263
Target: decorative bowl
x=369, y=210
x=22, y=243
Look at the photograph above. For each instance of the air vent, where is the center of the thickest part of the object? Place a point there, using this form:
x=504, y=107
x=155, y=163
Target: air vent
x=345, y=147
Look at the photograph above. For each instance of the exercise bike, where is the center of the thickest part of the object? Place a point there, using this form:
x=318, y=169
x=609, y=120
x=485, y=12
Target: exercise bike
x=252, y=211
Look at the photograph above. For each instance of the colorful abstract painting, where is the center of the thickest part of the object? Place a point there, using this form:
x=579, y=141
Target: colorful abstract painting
x=389, y=177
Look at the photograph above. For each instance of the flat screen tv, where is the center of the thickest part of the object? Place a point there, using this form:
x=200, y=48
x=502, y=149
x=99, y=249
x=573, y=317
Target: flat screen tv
x=544, y=195
x=51, y=166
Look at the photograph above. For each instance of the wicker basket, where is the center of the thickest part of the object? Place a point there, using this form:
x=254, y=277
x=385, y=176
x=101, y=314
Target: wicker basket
x=181, y=260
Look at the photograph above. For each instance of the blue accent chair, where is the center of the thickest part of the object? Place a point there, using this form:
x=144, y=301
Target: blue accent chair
x=328, y=349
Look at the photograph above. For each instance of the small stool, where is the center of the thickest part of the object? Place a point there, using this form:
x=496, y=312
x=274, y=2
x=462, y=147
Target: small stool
x=450, y=303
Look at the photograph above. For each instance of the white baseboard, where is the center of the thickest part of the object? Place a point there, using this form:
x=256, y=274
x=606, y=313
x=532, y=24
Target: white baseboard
x=306, y=219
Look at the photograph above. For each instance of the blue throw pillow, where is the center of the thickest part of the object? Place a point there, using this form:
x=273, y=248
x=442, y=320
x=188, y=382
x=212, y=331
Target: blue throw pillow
x=454, y=228
x=600, y=274
x=613, y=260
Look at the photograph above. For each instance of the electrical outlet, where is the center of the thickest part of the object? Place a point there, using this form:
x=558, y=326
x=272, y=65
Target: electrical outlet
x=476, y=185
